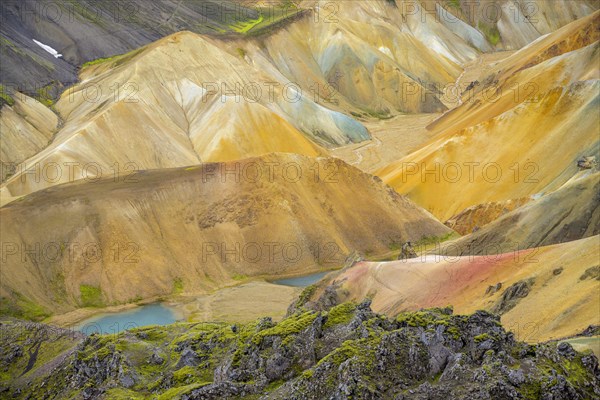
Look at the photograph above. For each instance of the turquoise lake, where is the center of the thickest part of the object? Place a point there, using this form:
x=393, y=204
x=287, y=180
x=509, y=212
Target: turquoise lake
x=302, y=281
x=159, y=314
x=151, y=314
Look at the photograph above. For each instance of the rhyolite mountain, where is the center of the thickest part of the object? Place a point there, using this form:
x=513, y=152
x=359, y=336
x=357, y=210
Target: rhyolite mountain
x=540, y=293
x=195, y=152
x=500, y=143
x=86, y=30
x=202, y=226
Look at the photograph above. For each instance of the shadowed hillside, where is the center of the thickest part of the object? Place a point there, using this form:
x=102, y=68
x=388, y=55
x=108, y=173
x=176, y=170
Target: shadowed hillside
x=200, y=226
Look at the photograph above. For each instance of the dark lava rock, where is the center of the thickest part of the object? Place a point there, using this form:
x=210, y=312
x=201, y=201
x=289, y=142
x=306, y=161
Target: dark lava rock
x=345, y=352
x=512, y=295
x=188, y=358
x=155, y=359
x=566, y=350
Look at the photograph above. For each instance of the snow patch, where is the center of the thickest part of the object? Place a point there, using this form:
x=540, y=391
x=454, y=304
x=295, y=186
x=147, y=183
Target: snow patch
x=48, y=48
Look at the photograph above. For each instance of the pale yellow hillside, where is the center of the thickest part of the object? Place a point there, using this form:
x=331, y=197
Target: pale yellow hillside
x=502, y=144
x=26, y=127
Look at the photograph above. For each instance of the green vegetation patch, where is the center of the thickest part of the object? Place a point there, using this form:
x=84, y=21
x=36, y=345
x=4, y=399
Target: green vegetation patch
x=98, y=61
x=177, y=392
x=454, y=4
x=306, y=294
x=427, y=241
x=491, y=32
x=177, y=286
x=5, y=97
x=245, y=26
x=340, y=314
x=425, y=318
x=268, y=18
x=481, y=338
x=239, y=277
x=116, y=60
x=361, y=349
x=91, y=296
x=289, y=326
x=384, y=114
x=44, y=95
x=20, y=307
x=122, y=394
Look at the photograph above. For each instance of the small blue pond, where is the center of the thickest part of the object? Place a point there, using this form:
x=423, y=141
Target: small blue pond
x=111, y=323
x=302, y=281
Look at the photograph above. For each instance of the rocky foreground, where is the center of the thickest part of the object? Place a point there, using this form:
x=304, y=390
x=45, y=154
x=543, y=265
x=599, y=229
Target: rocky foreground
x=345, y=352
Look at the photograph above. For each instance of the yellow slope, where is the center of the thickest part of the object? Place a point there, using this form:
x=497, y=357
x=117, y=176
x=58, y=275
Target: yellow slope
x=562, y=301
x=502, y=144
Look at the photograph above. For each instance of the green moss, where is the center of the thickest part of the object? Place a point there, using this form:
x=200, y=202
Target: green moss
x=385, y=114
x=185, y=375
x=123, y=394
x=427, y=241
x=481, y=338
x=289, y=326
x=454, y=3
x=177, y=286
x=422, y=318
x=575, y=371
x=241, y=52
x=246, y=25
x=116, y=60
x=307, y=374
x=155, y=334
x=348, y=349
x=487, y=368
x=361, y=349
x=21, y=307
x=274, y=385
x=98, y=61
x=269, y=18
x=91, y=296
x=454, y=332
x=340, y=314
x=306, y=294
x=531, y=390
x=239, y=277
x=45, y=343
x=491, y=32
x=216, y=343
x=217, y=332
x=44, y=95
x=5, y=98
x=176, y=392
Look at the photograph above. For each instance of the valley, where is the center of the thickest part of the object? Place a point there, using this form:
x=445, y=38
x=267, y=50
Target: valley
x=300, y=199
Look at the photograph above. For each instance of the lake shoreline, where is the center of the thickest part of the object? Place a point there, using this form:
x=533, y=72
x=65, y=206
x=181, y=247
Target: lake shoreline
x=179, y=304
